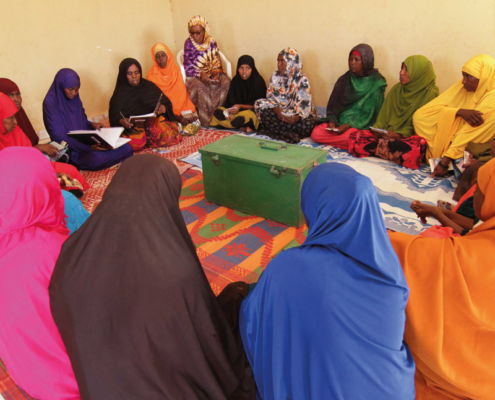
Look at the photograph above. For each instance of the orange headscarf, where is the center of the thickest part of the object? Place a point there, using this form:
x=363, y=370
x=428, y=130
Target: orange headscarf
x=450, y=317
x=170, y=81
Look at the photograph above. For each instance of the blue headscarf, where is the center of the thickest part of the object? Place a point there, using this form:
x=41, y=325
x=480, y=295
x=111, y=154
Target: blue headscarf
x=326, y=320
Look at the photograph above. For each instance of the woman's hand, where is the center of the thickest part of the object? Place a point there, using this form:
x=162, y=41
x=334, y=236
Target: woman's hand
x=471, y=160
x=472, y=117
x=331, y=124
x=278, y=111
x=234, y=110
x=424, y=210
x=98, y=147
x=442, y=168
x=204, y=78
x=342, y=129
x=393, y=135
x=215, y=79
x=162, y=109
x=47, y=149
x=125, y=123
x=291, y=120
x=97, y=125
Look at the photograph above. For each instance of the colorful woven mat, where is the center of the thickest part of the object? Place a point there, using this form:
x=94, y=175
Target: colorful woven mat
x=99, y=180
x=8, y=389
x=232, y=246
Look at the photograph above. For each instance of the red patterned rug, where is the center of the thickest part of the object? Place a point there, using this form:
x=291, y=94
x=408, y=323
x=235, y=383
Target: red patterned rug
x=99, y=180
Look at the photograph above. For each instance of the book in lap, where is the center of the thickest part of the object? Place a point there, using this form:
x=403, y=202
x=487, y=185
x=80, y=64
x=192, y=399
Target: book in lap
x=141, y=121
x=103, y=137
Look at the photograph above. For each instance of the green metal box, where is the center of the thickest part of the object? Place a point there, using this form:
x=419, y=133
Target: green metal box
x=258, y=177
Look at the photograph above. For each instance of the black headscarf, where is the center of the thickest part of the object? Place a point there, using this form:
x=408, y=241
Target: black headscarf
x=135, y=100
x=134, y=308
x=247, y=91
x=343, y=94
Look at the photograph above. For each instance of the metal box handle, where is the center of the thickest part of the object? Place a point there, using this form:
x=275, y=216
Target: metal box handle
x=277, y=172
x=216, y=159
x=272, y=146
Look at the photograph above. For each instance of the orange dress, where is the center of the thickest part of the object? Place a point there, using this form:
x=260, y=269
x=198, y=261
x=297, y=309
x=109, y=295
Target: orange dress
x=450, y=317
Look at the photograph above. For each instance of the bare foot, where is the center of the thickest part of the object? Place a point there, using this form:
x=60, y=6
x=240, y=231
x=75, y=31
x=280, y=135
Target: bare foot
x=246, y=129
x=423, y=210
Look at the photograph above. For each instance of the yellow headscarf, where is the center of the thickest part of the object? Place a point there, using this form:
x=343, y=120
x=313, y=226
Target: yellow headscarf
x=481, y=67
x=448, y=135
x=200, y=20
x=160, y=47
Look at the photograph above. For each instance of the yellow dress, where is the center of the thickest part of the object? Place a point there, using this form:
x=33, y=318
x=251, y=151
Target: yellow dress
x=448, y=135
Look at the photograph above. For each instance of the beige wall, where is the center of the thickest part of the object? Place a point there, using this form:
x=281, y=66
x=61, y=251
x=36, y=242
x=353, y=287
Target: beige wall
x=39, y=37
x=448, y=32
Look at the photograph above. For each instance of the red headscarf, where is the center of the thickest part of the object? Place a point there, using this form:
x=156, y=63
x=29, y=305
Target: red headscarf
x=15, y=137
x=7, y=87
x=32, y=231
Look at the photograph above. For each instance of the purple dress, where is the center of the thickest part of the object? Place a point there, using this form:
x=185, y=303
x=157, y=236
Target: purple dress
x=62, y=115
x=210, y=62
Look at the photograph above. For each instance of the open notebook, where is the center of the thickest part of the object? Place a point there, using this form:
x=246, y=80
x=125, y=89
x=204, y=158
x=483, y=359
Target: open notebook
x=104, y=137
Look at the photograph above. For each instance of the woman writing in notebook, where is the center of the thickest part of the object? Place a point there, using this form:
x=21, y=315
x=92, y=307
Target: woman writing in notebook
x=136, y=96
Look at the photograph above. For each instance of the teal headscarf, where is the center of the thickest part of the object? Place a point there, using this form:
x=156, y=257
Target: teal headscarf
x=403, y=100
x=357, y=99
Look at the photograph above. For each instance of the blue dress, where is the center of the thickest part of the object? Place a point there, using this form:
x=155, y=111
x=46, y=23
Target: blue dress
x=74, y=211
x=326, y=319
x=61, y=115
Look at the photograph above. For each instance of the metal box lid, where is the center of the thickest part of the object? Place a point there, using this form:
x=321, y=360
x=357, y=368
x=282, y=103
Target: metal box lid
x=290, y=157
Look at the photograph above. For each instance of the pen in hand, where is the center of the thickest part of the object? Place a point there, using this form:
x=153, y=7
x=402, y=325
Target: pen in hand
x=129, y=125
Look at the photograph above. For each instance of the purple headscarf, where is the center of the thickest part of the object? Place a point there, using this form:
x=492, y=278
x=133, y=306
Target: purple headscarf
x=61, y=114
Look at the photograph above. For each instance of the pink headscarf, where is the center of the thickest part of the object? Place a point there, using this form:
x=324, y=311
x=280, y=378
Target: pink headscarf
x=32, y=231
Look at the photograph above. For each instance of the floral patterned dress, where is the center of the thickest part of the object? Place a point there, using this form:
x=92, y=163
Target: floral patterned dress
x=290, y=92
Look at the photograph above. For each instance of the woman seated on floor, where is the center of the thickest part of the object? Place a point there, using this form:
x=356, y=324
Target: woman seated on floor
x=32, y=230
x=12, y=135
x=206, y=82
x=464, y=113
x=63, y=112
x=9, y=88
x=450, y=317
x=458, y=221
x=479, y=152
x=167, y=76
x=355, y=101
x=399, y=143
x=287, y=112
x=326, y=319
x=246, y=87
x=134, y=96
x=159, y=333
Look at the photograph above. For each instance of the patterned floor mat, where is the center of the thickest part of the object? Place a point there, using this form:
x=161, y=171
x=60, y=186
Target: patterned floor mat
x=232, y=246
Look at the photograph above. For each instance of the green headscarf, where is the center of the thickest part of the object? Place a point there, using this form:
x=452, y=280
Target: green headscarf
x=403, y=100
x=357, y=99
